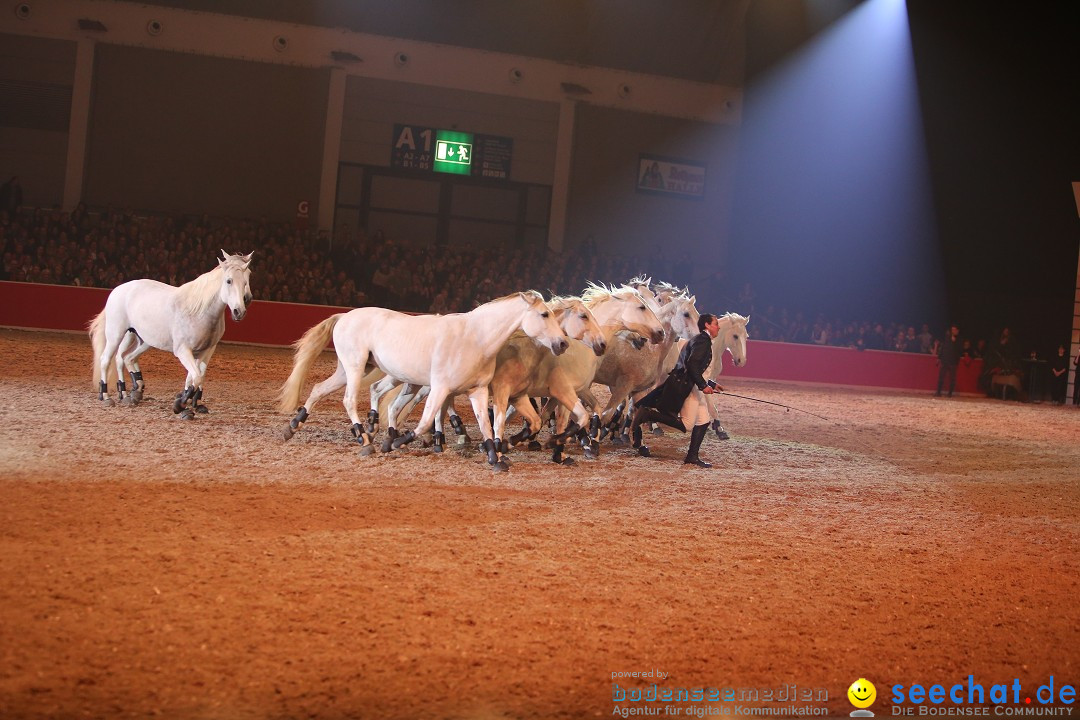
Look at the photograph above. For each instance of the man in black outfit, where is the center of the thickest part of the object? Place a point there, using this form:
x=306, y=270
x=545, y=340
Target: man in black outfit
x=681, y=398
x=948, y=359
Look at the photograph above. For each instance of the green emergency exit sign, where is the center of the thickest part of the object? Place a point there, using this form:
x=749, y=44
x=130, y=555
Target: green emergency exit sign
x=453, y=152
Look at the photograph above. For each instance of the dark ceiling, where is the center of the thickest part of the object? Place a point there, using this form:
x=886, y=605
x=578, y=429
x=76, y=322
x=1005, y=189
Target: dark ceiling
x=699, y=40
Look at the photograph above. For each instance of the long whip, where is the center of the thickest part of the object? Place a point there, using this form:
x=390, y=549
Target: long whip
x=770, y=402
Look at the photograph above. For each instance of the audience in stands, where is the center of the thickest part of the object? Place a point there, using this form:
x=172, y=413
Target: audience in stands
x=107, y=248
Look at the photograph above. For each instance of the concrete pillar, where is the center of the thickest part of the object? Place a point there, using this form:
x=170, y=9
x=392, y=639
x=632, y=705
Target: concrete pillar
x=78, y=125
x=560, y=186
x=335, y=111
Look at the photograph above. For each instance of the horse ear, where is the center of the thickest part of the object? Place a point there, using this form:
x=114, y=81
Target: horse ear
x=247, y=258
x=224, y=255
x=693, y=300
x=747, y=319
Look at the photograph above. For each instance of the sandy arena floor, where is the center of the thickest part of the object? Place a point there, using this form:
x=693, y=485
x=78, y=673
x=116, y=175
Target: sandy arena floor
x=209, y=569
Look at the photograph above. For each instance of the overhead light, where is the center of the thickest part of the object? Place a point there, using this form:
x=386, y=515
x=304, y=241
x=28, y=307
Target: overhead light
x=345, y=57
x=574, y=89
x=94, y=25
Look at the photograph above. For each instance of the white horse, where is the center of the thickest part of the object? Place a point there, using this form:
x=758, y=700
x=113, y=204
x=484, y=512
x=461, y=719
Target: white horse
x=731, y=338
x=573, y=316
x=186, y=321
x=451, y=353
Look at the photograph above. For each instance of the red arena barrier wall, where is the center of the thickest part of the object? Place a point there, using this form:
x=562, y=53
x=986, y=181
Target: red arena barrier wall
x=61, y=307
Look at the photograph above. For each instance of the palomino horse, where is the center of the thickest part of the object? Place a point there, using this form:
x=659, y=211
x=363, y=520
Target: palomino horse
x=186, y=321
x=630, y=369
x=563, y=378
x=451, y=353
x=573, y=317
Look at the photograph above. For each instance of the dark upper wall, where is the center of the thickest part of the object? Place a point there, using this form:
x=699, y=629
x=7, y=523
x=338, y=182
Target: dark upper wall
x=604, y=202
x=178, y=132
x=35, y=103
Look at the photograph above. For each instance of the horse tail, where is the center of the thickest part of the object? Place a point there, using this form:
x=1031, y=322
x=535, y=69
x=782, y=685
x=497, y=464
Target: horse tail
x=308, y=349
x=96, y=329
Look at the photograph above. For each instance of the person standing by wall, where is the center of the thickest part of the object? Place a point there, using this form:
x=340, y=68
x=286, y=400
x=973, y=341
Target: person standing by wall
x=948, y=358
x=1059, y=376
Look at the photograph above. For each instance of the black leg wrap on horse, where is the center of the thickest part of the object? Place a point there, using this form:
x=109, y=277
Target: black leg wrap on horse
x=520, y=436
x=388, y=441
x=300, y=418
x=182, y=400
x=455, y=422
x=121, y=388
x=136, y=378
x=372, y=420
x=405, y=439
x=103, y=390
x=492, y=454
x=438, y=440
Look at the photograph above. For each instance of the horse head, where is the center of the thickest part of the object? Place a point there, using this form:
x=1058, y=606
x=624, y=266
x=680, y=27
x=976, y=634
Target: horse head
x=577, y=322
x=236, y=283
x=733, y=335
x=540, y=324
x=681, y=315
x=625, y=308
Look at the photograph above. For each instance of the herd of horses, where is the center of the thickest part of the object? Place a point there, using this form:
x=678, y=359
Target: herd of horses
x=503, y=355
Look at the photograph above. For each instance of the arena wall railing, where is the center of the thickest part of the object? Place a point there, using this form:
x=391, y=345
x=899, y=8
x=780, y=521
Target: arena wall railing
x=278, y=324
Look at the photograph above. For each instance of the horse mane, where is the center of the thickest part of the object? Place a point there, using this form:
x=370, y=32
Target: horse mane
x=640, y=280
x=676, y=291
x=559, y=302
x=511, y=296
x=596, y=293
x=197, y=296
x=735, y=318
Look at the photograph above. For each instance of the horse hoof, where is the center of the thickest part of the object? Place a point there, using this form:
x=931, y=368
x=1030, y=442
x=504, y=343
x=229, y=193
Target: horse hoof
x=108, y=402
x=438, y=448
x=618, y=440
x=505, y=461
x=366, y=450
x=202, y=409
x=535, y=445
x=288, y=432
x=568, y=461
x=658, y=431
x=387, y=445
x=591, y=454
x=500, y=466
x=644, y=451
x=396, y=444
x=136, y=395
x=722, y=435
x=187, y=414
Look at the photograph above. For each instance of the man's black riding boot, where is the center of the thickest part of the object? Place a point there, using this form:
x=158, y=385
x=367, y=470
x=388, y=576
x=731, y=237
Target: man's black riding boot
x=696, y=436
x=641, y=415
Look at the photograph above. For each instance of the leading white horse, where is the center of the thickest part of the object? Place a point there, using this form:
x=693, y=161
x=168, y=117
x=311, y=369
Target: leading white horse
x=187, y=321
x=451, y=353
x=573, y=316
x=732, y=339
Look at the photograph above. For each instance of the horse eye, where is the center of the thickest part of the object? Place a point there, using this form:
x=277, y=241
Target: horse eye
x=229, y=281
x=543, y=315
x=584, y=316
x=642, y=308
x=686, y=315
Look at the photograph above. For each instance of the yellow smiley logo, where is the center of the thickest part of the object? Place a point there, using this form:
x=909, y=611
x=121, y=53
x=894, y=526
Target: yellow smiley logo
x=862, y=693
